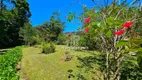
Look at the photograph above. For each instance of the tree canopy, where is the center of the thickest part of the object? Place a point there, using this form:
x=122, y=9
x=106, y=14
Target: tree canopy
x=11, y=20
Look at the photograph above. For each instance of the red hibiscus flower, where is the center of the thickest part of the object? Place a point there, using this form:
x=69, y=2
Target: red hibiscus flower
x=86, y=30
x=127, y=24
x=87, y=20
x=120, y=32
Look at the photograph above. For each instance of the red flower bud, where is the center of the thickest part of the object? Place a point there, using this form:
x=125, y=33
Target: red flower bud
x=127, y=24
x=86, y=30
x=87, y=20
x=120, y=32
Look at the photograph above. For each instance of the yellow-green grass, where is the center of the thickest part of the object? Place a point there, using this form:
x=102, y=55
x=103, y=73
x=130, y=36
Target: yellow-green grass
x=38, y=66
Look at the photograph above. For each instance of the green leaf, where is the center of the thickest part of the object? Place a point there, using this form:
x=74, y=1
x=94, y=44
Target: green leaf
x=109, y=33
x=71, y=16
x=137, y=41
x=135, y=49
x=121, y=43
x=123, y=51
x=94, y=23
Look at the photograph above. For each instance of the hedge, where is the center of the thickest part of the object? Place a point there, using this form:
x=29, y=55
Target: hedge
x=8, y=63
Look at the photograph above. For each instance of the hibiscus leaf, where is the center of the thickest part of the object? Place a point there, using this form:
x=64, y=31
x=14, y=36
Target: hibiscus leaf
x=109, y=33
x=135, y=49
x=71, y=16
x=122, y=43
x=94, y=23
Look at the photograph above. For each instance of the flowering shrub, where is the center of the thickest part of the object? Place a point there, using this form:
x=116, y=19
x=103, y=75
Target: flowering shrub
x=127, y=24
x=114, y=37
x=87, y=20
x=114, y=28
x=120, y=32
x=86, y=30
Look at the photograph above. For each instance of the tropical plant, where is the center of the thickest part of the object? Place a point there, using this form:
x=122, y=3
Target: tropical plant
x=114, y=27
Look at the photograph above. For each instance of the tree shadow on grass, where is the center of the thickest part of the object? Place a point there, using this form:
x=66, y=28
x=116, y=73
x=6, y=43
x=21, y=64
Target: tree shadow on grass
x=84, y=50
x=87, y=65
x=130, y=69
x=88, y=62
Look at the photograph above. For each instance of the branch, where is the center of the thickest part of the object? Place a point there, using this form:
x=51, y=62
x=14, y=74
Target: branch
x=118, y=68
x=72, y=4
x=118, y=13
x=103, y=40
x=97, y=5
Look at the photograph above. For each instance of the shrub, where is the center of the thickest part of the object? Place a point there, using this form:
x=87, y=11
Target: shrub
x=48, y=48
x=68, y=56
x=61, y=40
x=8, y=63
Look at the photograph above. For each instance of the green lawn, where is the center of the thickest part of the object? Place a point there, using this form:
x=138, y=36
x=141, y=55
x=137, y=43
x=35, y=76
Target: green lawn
x=38, y=66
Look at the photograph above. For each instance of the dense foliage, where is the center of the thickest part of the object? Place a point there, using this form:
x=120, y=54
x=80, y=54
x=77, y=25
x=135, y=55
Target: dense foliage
x=48, y=48
x=28, y=34
x=13, y=15
x=8, y=62
x=49, y=31
x=61, y=40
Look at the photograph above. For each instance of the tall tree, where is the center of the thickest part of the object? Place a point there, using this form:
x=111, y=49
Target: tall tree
x=50, y=30
x=13, y=19
x=27, y=33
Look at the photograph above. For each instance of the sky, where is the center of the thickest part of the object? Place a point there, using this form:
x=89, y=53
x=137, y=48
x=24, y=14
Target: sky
x=42, y=11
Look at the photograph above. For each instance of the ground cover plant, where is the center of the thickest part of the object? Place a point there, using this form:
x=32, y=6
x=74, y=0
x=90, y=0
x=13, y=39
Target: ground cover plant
x=8, y=62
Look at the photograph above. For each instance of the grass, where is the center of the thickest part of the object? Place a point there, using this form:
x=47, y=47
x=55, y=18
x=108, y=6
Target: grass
x=38, y=66
x=85, y=65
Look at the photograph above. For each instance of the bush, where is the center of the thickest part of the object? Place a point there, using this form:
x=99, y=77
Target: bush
x=8, y=63
x=48, y=48
x=68, y=56
x=91, y=43
x=61, y=40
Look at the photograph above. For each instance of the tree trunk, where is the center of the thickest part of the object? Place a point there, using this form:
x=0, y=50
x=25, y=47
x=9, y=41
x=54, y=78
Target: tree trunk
x=117, y=72
x=107, y=66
